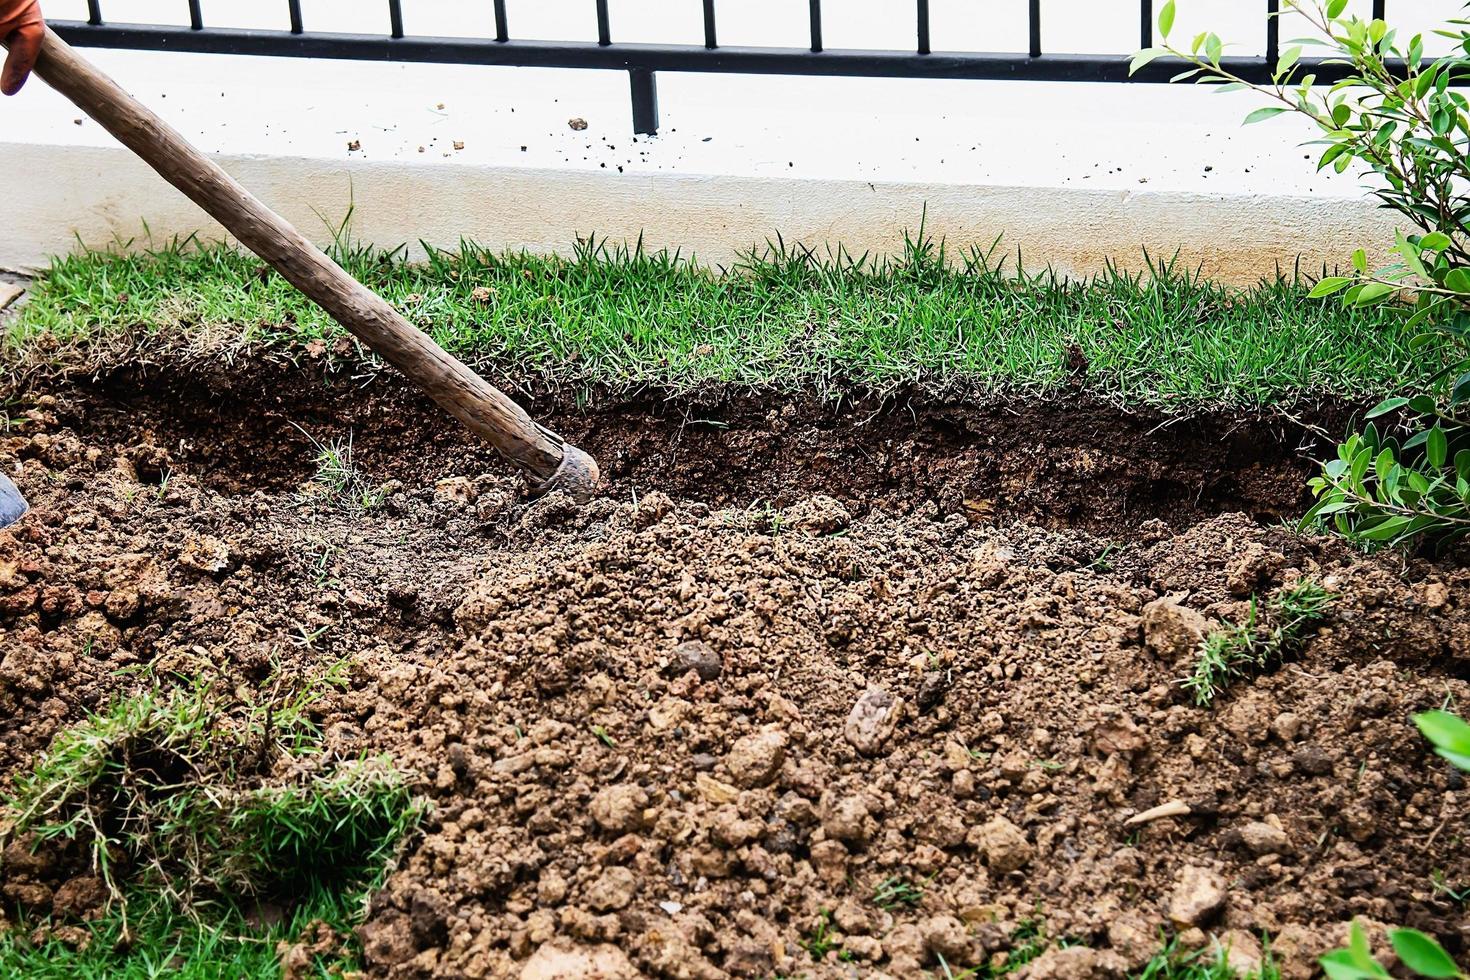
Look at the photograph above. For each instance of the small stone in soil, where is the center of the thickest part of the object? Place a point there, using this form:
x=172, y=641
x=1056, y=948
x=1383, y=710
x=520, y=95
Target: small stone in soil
x=1312, y=760
x=931, y=690
x=1004, y=845
x=1171, y=630
x=700, y=657
x=619, y=809
x=872, y=721
x=1262, y=838
x=1198, y=897
x=755, y=759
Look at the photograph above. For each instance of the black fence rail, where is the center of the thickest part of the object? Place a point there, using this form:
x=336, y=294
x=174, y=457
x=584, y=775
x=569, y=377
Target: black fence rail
x=643, y=61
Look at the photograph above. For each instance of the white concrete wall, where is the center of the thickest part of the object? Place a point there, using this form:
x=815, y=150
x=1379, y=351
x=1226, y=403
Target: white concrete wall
x=1073, y=175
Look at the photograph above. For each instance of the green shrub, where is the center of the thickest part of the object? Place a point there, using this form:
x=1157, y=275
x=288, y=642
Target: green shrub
x=1412, y=479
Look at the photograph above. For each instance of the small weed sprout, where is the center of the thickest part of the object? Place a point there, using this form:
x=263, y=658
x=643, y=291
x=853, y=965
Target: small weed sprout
x=1237, y=648
x=1104, y=560
x=1441, y=886
x=338, y=480
x=819, y=942
x=895, y=891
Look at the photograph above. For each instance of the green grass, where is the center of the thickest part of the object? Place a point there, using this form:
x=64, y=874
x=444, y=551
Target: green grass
x=1172, y=963
x=173, y=796
x=1239, y=648
x=895, y=891
x=787, y=319
x=157, y=941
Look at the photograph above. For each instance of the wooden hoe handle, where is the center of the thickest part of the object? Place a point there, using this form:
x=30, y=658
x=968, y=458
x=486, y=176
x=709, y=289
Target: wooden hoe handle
x=482, y=407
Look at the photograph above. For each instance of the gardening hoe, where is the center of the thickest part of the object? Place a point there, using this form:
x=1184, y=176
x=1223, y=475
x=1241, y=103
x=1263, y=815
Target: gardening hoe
x=483, y=408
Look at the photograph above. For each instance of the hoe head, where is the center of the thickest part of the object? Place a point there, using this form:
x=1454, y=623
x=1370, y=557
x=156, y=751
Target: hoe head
x=12, y=505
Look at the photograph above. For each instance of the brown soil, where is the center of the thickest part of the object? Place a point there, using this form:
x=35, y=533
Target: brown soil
x=795, y=651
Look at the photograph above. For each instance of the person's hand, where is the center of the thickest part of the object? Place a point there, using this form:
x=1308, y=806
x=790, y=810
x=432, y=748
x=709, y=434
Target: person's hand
x=21, y=30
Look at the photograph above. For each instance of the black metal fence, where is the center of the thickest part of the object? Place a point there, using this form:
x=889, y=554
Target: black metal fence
x=643, y=61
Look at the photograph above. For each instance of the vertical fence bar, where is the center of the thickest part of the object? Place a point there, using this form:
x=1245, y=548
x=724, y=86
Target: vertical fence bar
x=604, y=28
x=502, y=26
x=1034, y=20
x=923, y=26
x=1145, y=24
x=395, y=17
x=94, y=12
x=709, y=24
x=196, y=16
x=645, y=101
x=1273, y=33
x=1379, y=9
x=816, y=7
x=294, y=6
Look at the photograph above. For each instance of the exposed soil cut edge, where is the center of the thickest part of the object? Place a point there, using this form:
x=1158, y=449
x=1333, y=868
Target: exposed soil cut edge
x=1070, y=459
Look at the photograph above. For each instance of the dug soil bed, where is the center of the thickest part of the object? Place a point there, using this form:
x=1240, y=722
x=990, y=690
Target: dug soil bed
x=810, y=691
x=1064, y=460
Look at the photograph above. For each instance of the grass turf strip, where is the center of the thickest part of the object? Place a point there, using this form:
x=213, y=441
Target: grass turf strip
x=785, y=318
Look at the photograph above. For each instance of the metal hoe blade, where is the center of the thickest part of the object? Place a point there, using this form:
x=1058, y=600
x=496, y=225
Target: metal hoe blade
x=12, y=505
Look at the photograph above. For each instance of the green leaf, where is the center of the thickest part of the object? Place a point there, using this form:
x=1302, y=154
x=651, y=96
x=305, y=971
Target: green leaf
x=1288, y=58
x=1336, y=7
x=1214, y=48
x=1423, y=404
x=1446, y=731
x=1384, y=464
x=1386, y=406
x=1458, y=280
x=1422, y=954
x=1460, y=393
x=1360, y=260
x=1372, y=292
x=1166, y=19
x=1436, y=447
x=1358, y=946
x=1435, y=241
x=1264, y=113
x=1410, y=253
x=1144, y=57
x=1339, y=965
x=1354, y=963
x=1332, y=153
x=1328, y=286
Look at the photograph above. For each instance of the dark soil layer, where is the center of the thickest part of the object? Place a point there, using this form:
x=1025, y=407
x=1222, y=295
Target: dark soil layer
x=684, y=736
x=1071, y=461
